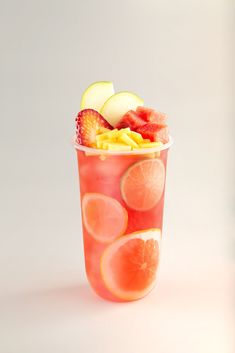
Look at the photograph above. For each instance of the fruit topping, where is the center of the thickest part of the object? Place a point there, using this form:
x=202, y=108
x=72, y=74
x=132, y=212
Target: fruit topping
x=89, y=123
x=150, y=115
x=132, y=120
x=118, y=104
x=154, y=132
x=123, y=140
x=118, y=121
x=96, y=95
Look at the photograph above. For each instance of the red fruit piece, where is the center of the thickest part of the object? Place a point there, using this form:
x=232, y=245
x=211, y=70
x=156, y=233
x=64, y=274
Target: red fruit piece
x=88, y=123
x=131, y=119
x=154, y=132
x=150, y=115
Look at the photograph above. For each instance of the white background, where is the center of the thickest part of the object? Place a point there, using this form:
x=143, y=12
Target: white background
x=177, y=55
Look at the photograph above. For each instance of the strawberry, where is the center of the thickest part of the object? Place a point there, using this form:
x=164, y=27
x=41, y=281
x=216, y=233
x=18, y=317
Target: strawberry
x=151, y=116
x=131, y=120
x=88, y=124
x=154, y=132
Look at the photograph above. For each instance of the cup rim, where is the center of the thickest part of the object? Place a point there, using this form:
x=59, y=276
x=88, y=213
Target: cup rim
x=91, y=150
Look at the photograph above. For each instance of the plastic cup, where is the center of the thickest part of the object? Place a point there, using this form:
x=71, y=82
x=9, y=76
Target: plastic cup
x=122, y=201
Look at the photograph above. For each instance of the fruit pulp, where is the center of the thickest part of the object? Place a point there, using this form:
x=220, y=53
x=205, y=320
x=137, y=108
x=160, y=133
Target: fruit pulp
x=106, y=178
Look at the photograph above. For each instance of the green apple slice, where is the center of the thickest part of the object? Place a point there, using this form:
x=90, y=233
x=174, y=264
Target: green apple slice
x=118, y=105
x=96, y=95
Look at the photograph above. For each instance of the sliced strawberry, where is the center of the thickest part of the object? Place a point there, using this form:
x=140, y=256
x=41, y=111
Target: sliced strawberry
x=131, y=120
x=154, y=132
x=88, y=123
x=150, y=115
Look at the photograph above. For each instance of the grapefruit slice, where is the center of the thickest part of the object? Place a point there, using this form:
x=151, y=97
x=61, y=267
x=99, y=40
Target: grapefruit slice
x=142, y=184
x=105, y=218
x=129, y=265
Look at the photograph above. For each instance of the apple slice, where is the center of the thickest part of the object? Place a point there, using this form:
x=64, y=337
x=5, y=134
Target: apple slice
x=118, y=104
x=96, y=95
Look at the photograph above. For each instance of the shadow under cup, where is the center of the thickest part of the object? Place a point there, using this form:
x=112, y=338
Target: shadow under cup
x=122, y=200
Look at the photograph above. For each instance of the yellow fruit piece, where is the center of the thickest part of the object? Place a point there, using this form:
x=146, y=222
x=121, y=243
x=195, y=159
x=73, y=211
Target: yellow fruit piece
x=127, y=140
x=136, y=137
x=123, y=140
x=104, y=145
x=150, y=145
x=101, y=137
x=118, y=147
x=107, y=135
x=99, y=144
x=126, y=130
x=103, y=130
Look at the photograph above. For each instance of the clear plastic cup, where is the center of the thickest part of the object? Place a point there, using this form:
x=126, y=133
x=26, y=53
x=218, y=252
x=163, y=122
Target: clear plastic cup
x=122, y=201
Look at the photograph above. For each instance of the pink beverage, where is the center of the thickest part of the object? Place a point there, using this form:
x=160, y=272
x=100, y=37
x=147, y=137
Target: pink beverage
x=122, y=150
x=122, y=200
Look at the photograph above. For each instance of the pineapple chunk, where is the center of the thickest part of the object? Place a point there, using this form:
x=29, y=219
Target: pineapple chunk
x=104, y=145
x=107, y=135
x=101, y=137
x=123, y=140
x=102, y=130
x=99, y=144
x=150, y=145
x=127, y=140
x=125, y=130
x=118, y=147
x=136, y=137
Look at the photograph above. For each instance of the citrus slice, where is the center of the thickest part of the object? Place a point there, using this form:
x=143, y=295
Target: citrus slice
x=129, y=264
x=105, y=218
x=143, y=183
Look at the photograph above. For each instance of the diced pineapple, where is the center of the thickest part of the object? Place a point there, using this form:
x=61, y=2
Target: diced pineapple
x=150, y=144
x=135, y=136
x=124, y=130
x=105, y=145
x=102, y=130
x=127, y=140
x=118, y=147
x=99, y=144
x=123, y=140
x=101, y=137
x=107, y=135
